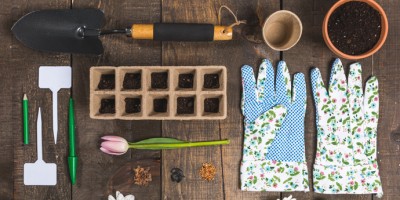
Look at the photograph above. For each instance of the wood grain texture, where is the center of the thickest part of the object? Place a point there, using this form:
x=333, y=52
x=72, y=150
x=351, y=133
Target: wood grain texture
x=96, y=168
x=190, y=159
x=246, y=48
x=386, y=67
x=100, y=175
x=6, y=118
x=23, y=77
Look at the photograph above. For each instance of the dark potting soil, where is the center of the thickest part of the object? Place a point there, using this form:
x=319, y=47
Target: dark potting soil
x=107, y=106
x=159, y=80
x=160, y=105
x=185, y=81
x=107, y=82
x=132, y=81
x=354, y=27
x=185, y=105
x=211, y=105
x=132, y=105
x=211, y=81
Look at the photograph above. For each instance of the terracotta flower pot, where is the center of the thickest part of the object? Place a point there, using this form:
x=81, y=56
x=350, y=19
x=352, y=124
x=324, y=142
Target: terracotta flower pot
x=378, y=45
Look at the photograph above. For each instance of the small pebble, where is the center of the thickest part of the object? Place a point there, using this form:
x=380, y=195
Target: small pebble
x=177, y=175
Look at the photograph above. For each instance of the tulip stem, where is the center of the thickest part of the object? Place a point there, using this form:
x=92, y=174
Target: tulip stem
x=157, y=146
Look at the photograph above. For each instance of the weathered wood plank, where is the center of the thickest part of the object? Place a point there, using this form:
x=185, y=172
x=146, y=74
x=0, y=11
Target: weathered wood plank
x=96, y=168
x=97, y=171
x=242, y=51
x=7, y=132
x=386, y=67
x=190, y=160
x=23, y=78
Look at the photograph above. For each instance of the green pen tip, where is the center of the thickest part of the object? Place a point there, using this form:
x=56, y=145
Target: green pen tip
x=73, y=164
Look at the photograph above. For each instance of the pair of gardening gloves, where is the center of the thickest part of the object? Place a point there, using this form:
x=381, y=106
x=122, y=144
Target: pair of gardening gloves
x=274, y=152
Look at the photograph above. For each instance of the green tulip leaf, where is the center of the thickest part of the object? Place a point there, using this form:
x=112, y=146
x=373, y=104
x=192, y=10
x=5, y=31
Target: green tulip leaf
x=171, y=143
x=160, y=141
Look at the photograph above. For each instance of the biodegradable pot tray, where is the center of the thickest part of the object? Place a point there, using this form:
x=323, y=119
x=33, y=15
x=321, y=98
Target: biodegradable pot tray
x=158, y=92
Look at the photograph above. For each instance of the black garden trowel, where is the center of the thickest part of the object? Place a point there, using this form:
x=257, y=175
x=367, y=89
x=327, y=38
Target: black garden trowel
x=78, y=31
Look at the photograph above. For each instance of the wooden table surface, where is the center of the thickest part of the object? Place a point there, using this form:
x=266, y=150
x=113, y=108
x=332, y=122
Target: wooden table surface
x=99, y=174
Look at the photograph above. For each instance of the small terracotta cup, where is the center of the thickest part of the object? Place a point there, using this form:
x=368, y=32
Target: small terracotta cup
x=282, y=30
x=378, y=45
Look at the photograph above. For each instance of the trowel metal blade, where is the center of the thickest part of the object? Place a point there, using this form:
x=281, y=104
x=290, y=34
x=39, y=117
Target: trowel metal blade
x=57, y=30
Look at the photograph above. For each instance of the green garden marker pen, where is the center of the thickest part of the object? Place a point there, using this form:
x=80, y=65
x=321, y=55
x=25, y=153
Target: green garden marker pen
x=72, y=158
x=25, y=116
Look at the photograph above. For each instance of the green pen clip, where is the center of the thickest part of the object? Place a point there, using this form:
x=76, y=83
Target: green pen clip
x=72, y=158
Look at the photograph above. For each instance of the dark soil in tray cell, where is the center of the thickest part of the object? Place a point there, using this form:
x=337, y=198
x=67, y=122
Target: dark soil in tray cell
x=185, y=81
x=107, y=82
x=132, y=105
x=211, y=105
x=159, y=80
x=211, y=81
x=160, y=105
x=354, y=27
x=132, y=81
x=107, y=106
x=185, y=105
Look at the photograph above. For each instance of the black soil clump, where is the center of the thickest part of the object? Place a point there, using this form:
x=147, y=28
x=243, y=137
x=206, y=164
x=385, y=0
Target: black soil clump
x=107, y=82
x=211, y=81
x=132, y=105
x=354, y=28
x=185, y=81
x=211, y=105
x=132, y=81
x=107, y=106
x=160, y=105
x=159, y=80
x=185, y=105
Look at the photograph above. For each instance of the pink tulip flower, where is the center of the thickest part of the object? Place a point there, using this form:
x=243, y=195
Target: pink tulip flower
x=114, y=145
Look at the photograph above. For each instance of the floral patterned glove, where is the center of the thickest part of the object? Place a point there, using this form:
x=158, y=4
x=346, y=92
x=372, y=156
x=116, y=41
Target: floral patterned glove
x=347, y=127
x=273, y=152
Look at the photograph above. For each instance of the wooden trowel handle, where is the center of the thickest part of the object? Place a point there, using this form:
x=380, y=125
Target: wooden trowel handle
x=181, y=32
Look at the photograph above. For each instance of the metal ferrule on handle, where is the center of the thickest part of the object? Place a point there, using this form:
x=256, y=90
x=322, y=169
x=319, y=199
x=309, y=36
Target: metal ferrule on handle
x=181, y=32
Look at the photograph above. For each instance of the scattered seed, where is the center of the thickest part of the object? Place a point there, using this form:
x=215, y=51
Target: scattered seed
x=208, y=171
x=142, y=176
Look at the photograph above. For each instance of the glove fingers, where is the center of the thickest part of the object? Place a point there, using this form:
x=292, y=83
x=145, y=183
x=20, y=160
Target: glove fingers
x=299, y=95
x=283, y=84
x=371, y=115
x=289, y=142
x=337, y=82
x=249, y=96
x=355, y=83
x=356, y=116
x=371, y=100
x=319, y=91
x=355, y=93
x=265, y=82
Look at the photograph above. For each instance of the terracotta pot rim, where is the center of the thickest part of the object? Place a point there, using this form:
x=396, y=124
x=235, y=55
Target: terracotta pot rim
x=378, y=45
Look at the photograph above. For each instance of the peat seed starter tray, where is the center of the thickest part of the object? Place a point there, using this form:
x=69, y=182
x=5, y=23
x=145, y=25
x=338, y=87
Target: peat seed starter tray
x=158, y=92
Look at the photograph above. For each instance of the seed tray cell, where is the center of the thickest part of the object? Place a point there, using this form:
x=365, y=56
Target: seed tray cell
x=158, y=92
